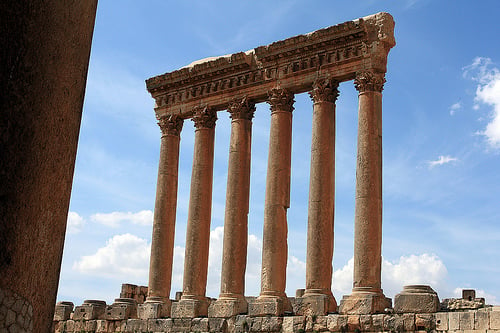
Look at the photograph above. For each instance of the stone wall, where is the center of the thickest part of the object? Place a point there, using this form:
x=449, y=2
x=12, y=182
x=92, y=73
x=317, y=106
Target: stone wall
x=480, y=320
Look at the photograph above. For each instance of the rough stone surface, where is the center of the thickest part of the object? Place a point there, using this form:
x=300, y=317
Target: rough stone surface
x=45, y=51
x=416, y=299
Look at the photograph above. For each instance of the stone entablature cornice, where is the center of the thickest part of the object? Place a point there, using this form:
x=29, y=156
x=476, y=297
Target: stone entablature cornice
x=337, y=52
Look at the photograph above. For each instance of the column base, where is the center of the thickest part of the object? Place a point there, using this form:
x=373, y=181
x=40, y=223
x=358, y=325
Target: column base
x=269, y=305
x=364, y=302
x=154, y=308
x=316, y=304
x=190, y=308
x=227, y=307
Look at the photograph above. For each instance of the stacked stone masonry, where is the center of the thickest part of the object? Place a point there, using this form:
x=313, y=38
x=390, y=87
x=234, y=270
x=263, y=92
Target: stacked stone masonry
x=480, y=320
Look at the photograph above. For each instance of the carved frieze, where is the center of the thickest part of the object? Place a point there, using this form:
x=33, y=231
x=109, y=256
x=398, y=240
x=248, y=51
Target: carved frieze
x=294, y=63
x=241, y=109
x=280, y=100
x=204, y=117
x=369, y=81
x=170, y=124
x=324, y=90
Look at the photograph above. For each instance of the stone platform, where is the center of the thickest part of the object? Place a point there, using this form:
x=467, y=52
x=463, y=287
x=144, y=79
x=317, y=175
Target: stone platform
x=480, y=320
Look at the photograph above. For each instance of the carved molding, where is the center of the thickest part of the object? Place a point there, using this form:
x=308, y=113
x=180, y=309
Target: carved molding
x=204, y=117
x=241, y=109
x=294, y=63
x=280, y=100
x=170, y=125
x=324, y=90
x=369, y=81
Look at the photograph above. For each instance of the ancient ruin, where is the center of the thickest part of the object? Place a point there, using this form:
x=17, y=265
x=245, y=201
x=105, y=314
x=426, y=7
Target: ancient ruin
x=314, y=63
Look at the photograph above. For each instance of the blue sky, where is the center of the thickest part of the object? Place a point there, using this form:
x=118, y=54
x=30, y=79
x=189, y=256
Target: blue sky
x=441, y=141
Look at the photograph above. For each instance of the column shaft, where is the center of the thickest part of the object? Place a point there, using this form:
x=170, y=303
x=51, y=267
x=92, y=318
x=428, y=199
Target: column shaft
x=232, y=300
x=321, y=199
x=368, y=206
x=162, y=244
x=193, y=301
x=274, y=247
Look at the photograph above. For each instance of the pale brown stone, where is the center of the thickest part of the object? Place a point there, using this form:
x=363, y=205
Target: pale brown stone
x=272, y=299
x=416, y=299
x=162, y=243
x=193, y=302
x=231, y=299
x=442, y=321
x=368, y=214
x=321, y=200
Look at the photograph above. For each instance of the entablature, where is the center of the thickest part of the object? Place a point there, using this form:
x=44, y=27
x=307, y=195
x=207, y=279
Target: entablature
x=336, y=52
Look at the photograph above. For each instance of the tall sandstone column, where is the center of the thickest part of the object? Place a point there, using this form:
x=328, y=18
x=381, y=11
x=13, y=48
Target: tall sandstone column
x=162, y=245
x=318, y=297
x=272, y=299
x=232, y=299
x=44, y=57
x=193, y=302
x=367, y=296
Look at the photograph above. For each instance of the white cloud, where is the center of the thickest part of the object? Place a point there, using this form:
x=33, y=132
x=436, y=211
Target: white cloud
x=75, y=223
x=455, y=107
x=483, y=71
x=124, y=257
x=422, y=269
x=442, y=160
x=114, y=219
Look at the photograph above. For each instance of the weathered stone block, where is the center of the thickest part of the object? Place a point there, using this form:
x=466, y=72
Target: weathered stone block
x=160, y=325
x=189, y=308
x=242, y=323
x=135, y=325
x=100, y=326
x=312, y=305
x=271, y=324
x=425, y=321
x=152, y=310
x=442, y=320
x=495, y=319
x=63, y=311
x=118, y=312
x=217, y=325
x=409, y=321
x=453, y=320
x=394, y=323
x=466, y=320
x=378, y=322
x=90, y=309
x=364, y=303
x=336, y=322
x=481, y=320
x=225, y=308
x=365, y=322
x=294, y=324
x=416, y=299
x=199, y=325
x=266, y=306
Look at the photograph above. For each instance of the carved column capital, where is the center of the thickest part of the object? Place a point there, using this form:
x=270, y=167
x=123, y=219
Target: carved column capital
x=369, y=81
x=241, y=109
x=204, y=117
x=280, y=99
x=170, y=124
x=324, y=90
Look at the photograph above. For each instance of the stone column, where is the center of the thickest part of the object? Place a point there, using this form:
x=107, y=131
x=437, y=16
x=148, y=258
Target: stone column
x=367, y=296
x=193, y=302
x=162, y=244
x=232, y=300
x=318, y=298
x=272, y=299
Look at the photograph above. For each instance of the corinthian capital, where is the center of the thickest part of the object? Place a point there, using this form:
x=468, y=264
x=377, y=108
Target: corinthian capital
x=280, y=100
x=170, y=124
x=324, y=90
x=369, y=81
x=241, y=109
x=204, y=117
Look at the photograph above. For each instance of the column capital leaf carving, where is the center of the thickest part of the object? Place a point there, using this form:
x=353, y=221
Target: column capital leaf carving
x=241, y=109
x=369, y=80
x=280, y=100
x=324, y=90
x=170, y=124
x=204, y=117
